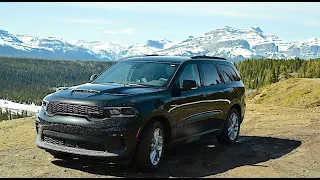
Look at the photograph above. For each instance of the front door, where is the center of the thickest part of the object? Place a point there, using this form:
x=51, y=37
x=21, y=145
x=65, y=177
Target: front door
x=188, y=105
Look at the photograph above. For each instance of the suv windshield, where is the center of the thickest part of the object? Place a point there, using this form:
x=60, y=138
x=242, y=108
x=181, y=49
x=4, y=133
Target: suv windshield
x=156, y=74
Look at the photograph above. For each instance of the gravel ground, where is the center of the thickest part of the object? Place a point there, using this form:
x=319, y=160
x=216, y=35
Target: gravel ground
x=274, y=142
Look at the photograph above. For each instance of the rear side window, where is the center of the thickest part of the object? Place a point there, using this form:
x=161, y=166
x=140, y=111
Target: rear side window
x=229, y=73
x=210, y=74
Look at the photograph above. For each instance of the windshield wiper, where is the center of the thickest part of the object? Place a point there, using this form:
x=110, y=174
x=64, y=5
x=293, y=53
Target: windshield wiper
x=136, y=85
x=114, y=83
x=130, y=84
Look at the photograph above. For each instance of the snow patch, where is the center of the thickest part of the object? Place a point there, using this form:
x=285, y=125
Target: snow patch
x=12, y=106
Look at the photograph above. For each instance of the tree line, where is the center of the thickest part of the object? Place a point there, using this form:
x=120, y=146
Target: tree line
x=28, y=80
x=6, y=114
x=256, y=73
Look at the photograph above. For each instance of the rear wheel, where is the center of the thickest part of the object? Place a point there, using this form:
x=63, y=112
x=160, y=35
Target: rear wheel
x=231, y=128
x=150, y=149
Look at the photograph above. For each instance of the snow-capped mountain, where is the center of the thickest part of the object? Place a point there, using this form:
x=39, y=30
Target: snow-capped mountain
x=232, y=43
x=150, y=47
x=56, y=48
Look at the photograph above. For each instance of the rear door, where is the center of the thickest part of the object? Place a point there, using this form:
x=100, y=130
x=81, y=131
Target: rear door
x=215, y=99
x=233, y=80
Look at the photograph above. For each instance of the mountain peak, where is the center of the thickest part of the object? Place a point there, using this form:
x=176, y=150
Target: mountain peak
x=255, y=29
x=155, y=44
x=5, y=33
x=227, y=27
x=222, y=29
x=2, y=30
x=312, y=39
x=165, y=40
x=53, y=38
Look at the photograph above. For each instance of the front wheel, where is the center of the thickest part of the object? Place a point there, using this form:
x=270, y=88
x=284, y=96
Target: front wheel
x=231, y=128
x=150, y=149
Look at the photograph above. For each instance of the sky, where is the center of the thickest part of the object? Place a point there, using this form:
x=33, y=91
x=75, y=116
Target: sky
x=127, y=23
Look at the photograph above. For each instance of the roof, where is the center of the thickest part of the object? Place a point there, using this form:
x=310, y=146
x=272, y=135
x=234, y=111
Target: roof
x=172, y=59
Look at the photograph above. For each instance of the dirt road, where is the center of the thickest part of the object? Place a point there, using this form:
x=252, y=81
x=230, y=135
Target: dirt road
x=274, y=142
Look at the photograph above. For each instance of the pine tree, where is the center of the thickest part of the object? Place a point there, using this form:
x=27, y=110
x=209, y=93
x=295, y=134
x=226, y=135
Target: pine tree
x=271, y=77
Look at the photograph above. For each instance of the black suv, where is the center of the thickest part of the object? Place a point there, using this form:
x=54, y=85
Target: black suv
x=140, y=106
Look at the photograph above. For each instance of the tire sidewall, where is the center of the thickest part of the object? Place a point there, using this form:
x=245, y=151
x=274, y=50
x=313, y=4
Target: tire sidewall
x=227, y=124
x=142, y=154
x=155, y=126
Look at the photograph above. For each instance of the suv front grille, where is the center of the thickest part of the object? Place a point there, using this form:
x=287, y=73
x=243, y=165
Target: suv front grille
x=74, y=144
x=66, y=108
x=53, y=140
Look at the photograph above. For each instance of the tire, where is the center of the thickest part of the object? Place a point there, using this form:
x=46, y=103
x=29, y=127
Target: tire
x=60, y=155
x=142, y=159
x=224, y=137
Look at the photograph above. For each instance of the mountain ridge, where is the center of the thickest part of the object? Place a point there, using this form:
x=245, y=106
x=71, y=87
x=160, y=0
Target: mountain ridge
x=229, y=42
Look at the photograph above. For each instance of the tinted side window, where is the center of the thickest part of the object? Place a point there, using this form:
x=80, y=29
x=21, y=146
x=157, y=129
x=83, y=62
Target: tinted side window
x=210, y=74
x=235, y=73
x=229, y=73
x=190, y=72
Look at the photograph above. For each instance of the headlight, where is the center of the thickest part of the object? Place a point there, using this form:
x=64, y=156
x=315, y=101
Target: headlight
x=44, y=104
x=121, y=112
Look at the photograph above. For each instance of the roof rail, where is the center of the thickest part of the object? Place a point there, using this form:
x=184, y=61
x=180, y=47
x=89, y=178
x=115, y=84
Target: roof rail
x=151, y=55
x=211, y=57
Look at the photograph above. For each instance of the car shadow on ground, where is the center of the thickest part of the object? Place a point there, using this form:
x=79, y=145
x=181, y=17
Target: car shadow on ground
x=198, y=159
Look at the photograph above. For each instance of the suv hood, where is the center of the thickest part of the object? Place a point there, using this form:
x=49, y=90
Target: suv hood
x=100, y=92
x=114, y=89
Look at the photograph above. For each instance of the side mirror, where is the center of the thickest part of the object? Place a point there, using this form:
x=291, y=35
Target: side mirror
x=93, y=77
x=188, y=85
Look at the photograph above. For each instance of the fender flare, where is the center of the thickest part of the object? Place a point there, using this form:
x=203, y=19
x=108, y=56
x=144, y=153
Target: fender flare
x=232, y=103
x=150, y=117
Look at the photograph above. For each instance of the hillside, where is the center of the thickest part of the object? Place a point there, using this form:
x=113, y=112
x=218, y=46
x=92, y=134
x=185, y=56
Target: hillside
x=229, y=42
x=294, y=92
x=27, y=80
x=257, y=73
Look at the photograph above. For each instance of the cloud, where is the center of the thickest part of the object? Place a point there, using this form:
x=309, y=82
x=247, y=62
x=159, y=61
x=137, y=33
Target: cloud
x=128, y=31
x=302, y=13
x=111, y=32
x=85, y=21
x=262, y=10
x=308, y=22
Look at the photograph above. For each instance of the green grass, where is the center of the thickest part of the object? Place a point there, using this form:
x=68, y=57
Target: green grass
x=294, y=92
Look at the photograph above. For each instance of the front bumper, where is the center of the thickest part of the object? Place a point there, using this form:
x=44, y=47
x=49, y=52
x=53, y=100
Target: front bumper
x=73, y=135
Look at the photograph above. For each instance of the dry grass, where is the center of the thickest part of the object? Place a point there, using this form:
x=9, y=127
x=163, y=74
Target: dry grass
x=294, y=92
x=22, y=130
x=275, y=142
